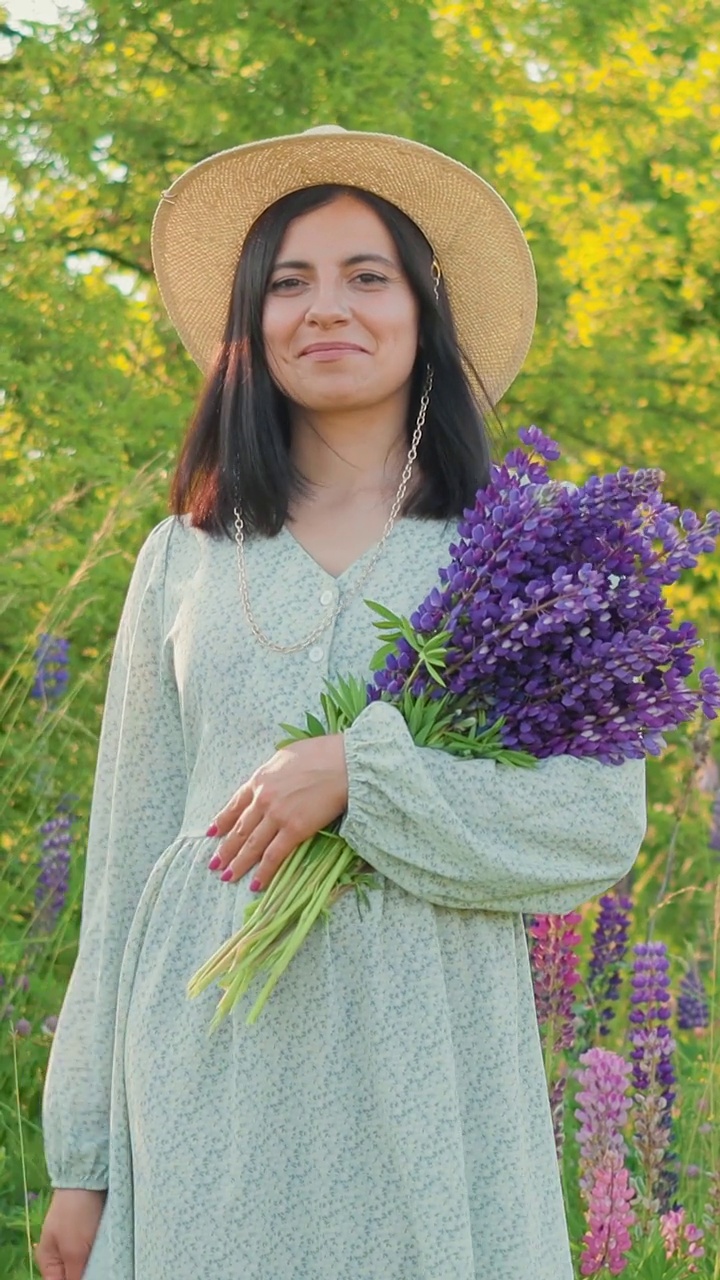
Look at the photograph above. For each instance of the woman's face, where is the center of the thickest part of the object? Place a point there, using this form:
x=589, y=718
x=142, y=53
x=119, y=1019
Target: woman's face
x=337, y=284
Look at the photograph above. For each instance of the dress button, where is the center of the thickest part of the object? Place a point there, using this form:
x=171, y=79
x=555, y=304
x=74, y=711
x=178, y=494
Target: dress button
x=326, y=597
x=316, y=653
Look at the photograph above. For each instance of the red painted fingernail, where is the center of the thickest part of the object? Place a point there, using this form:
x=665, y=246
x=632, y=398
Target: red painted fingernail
x=212, y=829
x=227, y=875
x=214, y=862
x=254, y=885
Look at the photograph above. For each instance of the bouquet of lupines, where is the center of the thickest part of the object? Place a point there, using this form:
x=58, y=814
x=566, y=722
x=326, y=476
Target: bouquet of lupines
x=548, y=633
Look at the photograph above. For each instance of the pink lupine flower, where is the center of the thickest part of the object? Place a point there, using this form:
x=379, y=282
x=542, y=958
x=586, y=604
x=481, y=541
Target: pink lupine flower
x=676, y=1233
x=555, y=962
x=607, y=1240
x=602, y=1107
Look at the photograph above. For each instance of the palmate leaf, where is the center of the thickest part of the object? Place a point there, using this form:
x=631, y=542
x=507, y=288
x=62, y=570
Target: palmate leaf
x=315, y=729
x=349, y=697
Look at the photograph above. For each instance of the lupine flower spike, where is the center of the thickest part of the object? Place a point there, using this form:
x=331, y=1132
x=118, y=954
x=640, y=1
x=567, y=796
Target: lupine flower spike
x=609, y=945
x=692, y=1006
x=555, y=965
x=653, y=1074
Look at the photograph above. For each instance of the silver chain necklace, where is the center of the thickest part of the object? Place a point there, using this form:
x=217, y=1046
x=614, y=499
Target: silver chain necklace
x=330, y=618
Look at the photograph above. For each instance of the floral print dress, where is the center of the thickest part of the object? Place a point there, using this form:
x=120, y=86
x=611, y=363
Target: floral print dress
x=387, y=1117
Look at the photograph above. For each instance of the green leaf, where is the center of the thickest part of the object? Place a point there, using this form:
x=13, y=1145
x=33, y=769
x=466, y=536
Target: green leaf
x=296, y=735
x=385, y=613
x=317, y=729
x=378, y=659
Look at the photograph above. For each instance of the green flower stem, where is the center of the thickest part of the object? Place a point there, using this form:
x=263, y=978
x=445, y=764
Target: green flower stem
x=271, y=953
x=272, y=906
x=270, y=946
x=253, y=944
x=305, y=923
x=270, y=911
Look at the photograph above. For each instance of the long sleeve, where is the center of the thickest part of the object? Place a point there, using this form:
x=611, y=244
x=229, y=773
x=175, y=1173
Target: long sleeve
x=485, y=836
x=137, y=810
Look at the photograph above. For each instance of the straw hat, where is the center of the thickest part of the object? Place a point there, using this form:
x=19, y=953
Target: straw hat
x=202, y=220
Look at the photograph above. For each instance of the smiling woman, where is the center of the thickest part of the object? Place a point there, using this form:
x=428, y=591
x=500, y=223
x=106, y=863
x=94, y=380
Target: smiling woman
x=279, y=430
x=357, y=303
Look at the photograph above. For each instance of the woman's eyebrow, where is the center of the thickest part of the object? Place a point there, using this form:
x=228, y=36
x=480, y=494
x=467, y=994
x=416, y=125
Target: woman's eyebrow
x=296, y=265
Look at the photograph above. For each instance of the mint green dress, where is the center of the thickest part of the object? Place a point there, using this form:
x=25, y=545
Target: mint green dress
x=387, y=1117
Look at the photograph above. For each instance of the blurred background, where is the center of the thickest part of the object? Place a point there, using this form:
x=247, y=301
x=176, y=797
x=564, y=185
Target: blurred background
x=598, y=122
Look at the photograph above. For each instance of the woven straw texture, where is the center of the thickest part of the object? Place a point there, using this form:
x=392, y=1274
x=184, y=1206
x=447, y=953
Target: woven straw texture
x=202, y=220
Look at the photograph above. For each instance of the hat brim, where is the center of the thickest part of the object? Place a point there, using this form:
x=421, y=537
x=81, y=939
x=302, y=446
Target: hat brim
x=202, y=220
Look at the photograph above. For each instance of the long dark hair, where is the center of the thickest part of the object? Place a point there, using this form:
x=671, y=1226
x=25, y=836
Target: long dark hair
x=237, y=445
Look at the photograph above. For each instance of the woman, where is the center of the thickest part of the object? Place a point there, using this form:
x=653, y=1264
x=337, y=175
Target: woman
x=387, y=1116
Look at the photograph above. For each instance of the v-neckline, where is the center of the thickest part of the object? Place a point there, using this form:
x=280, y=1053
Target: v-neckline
x=337, y=577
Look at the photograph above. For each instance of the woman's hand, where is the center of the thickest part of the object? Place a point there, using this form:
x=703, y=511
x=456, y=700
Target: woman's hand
x=68, y=1233
x=302, y=788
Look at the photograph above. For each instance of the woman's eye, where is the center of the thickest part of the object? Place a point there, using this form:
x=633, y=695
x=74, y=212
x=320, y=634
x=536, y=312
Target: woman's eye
x=289, y=280
x=292, y=282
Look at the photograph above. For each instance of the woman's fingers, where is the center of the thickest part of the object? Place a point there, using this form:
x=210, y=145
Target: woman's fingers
x=239, y=852
x=225, y=820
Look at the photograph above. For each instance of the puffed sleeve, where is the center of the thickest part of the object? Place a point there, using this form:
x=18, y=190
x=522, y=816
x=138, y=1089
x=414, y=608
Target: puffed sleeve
x=485, y=836
x=137, y=809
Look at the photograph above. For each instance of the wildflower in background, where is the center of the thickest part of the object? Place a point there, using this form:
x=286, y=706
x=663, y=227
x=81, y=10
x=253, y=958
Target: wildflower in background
x=21, y=982
x=49, y=1026
x=653, y=1074
x=607, y=1239
x=714, y=839
x=555, y=967
x=52, y=883
x=692, y=1005
x=51, y=657
x=608, y=948
x=676, y=1233
x=601, y=1108
x=22, y=1027
x=711, y=1212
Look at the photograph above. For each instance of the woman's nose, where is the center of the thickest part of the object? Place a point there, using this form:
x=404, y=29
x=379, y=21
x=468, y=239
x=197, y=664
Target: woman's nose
x=327, y=302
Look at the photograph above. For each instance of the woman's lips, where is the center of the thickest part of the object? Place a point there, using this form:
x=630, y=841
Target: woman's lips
x=332, y=353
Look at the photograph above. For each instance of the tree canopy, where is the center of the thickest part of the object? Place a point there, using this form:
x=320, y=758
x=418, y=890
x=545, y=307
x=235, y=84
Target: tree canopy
x=599, y=124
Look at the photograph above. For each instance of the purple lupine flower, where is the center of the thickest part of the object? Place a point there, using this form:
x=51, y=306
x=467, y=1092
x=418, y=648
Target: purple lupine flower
x=601, y=1107
x=608, y=948
x=49, y=1025
x=653, y=1074
x=607, y=1239
x=555, y=617
x=22, y=1027
x=692, y=1005
x=540, y=443
x=52, y=882
x=51, y=677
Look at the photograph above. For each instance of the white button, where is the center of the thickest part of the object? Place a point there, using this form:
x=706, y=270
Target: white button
x=316, y=653
x=326, y=597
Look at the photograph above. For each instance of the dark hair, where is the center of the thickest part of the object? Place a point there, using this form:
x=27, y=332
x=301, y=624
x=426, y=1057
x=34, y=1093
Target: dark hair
x=237, y=445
